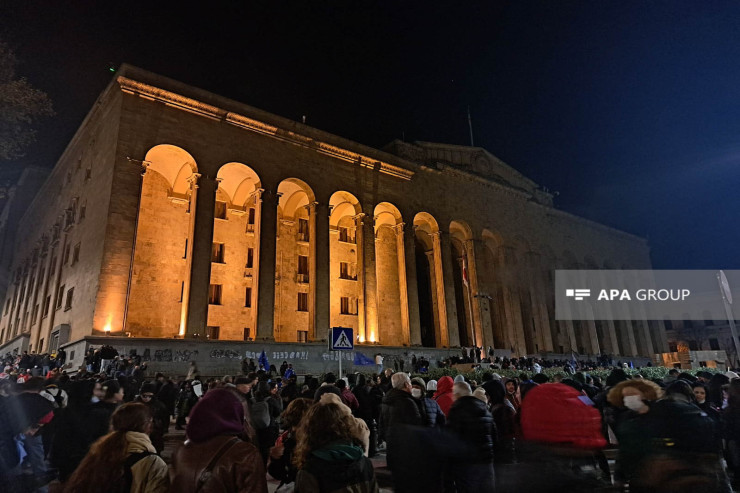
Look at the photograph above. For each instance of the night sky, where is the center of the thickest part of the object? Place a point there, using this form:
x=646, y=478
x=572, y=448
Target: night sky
x=629, y=109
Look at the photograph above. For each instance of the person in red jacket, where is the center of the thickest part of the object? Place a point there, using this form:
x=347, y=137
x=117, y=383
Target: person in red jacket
x=443, y=396
x=348, y=398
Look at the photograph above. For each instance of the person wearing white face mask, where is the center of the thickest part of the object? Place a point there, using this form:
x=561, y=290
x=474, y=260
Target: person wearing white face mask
x=631, y=399
x=431, y=414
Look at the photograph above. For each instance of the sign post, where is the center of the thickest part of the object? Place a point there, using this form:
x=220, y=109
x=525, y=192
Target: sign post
x=341, y=339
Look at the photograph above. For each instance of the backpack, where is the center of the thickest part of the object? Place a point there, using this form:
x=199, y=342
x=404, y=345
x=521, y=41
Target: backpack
x=260, y=413
x=128, y=477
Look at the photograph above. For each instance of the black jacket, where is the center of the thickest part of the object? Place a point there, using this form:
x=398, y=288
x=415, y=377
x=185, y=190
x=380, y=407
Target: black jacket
x=470, y=420
x=399, y=408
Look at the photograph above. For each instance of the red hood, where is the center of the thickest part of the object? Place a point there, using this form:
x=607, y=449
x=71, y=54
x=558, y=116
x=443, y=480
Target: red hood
x=444, y=385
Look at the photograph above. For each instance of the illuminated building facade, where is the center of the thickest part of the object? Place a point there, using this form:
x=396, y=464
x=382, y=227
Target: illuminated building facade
x=175, y=213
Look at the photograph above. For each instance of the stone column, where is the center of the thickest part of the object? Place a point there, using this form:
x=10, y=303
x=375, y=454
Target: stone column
x=445, y=289
x=405, y=290
x=200, y=262
x=320, y=278
x=411, y=287
x=266, y=235
x=367, y=227
x=254, y=310
x=512, y=309
x=539, y=303
x=481, y=318
x=184, y=309
x=360, y=244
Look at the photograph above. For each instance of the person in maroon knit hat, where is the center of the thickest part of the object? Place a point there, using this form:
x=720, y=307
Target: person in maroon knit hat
x=217, y=455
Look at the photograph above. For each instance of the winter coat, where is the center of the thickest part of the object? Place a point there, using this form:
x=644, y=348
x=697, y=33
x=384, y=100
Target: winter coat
x=282, y=468
x=399, y=410
x=150, y=474
x=365, y=402
x=470, y=420
x=349, y=399
x=337, y=468
x=99, y=419
x=431, y=414
x=239, y=469
x=443, y=396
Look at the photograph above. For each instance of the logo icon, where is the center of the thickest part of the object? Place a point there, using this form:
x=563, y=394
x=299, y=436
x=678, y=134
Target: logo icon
x=578, y=294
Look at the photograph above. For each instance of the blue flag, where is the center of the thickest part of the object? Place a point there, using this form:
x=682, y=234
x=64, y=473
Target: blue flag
x=362, y=360
x=263, y=361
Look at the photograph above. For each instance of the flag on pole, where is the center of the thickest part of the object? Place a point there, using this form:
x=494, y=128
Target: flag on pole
x=465, y=272
x=263, y=361
x=362, y=360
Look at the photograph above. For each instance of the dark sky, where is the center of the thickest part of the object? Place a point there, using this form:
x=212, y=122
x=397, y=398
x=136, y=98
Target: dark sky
x=629, y=109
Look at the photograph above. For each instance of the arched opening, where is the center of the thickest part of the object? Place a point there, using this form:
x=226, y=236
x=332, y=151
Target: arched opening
x=295, y=263
x=234, y=255
x=428, y=267
x=157, y=303
x=345, y=278
x=390, y=273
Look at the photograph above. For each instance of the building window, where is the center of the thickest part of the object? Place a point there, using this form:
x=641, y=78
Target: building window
x=212, y=332
x=185, y=253
x=217, y=253
x=250, y=258
x=714, y=344
x=76, y=254
x=47, y=304
x=214, y=294
x=182, y=290
x=693, y=346
x=248, y=298
x=41, y=346
x=83, y=210
x=247, y=334
x=668, y=325
x=35, y=315
x=60, y=297
x=346, y=235
x=68, y=303
x=2, y=335
x=347, y=271
x=347, y=305
x=88, y=174
x=53, y=267
x=65, y=254
x=7, y=306
x=302, y=302
x=302, y=336
x=302, y=268
x=250, y=220
x=303, y=230
x=220, y=210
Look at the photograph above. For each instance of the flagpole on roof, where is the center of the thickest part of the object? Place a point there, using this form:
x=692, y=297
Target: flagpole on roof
x=470, y=126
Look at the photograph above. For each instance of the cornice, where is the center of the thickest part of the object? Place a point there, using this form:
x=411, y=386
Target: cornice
x=152, y=93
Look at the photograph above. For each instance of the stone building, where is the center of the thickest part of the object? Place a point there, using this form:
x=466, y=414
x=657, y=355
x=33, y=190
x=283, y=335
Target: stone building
x=176, y=213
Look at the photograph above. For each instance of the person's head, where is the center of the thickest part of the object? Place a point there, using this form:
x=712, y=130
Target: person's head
x=341, y=384
x=361, y=380
x=700, y=392
x=401, y=381
x=703, y=376
x=293, y=414
x=510, y=386
x=680, y=390
x=733, y=394
x=432, y=386
x=673, y=372
x=326, y=422
x=461, y=389
x=632, y=394
x=112, y=391
x=243, y=384
x=480, y=393
x=147, y=391
x=418, y=387
x=219, y=412
x=133, y=416
x=159, y=376
x=330, y=378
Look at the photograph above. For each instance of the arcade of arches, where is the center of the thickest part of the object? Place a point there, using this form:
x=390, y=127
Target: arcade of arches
x=395, y=280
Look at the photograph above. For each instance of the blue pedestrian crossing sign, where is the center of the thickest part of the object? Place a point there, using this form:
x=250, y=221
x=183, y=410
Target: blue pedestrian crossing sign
x=342, y=339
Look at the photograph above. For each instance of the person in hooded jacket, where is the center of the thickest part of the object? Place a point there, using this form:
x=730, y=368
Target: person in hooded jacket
x=160, y=414
x=330, y=451
x=431, y=414
x=281, y=465
x=399, y=412
x=505, y=418
x=217, y=455
x=443, y=395
x=470, y=420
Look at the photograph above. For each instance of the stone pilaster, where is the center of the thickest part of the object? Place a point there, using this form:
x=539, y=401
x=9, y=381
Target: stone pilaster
x=445, y=289
x=366, y=237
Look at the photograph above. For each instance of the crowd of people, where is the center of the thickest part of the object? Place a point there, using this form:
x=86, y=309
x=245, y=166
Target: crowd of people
x=103, y=429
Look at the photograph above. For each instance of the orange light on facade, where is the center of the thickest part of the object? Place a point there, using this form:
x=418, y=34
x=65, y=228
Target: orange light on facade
x=107, y=328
